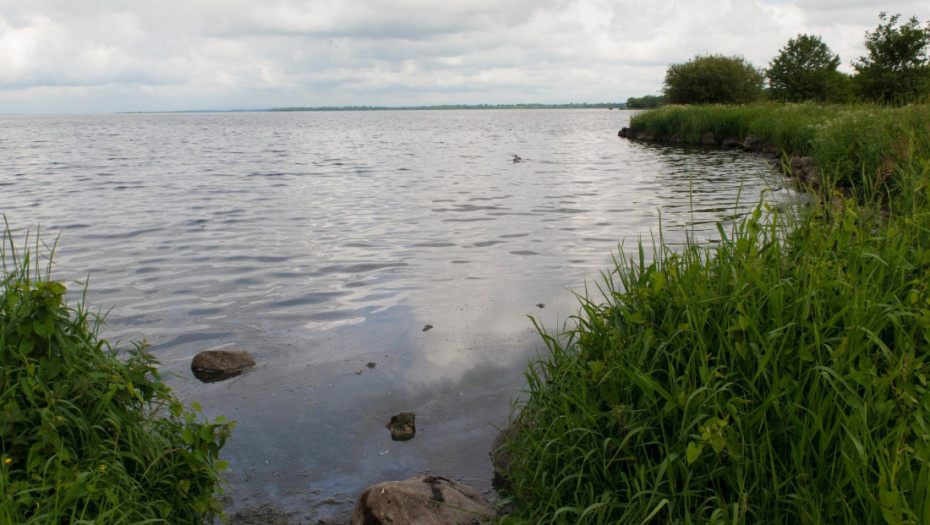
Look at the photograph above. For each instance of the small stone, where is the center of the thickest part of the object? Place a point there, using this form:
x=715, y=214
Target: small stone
x=402, y=426
x=427, y=328
x=371, y=365
x=540, y=305
x=358, y=372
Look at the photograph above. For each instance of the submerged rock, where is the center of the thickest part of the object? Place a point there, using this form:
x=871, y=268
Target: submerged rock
x=403, y=426
x=731, y=142
x=424, y=500
x=501, y=457
x=210, y=366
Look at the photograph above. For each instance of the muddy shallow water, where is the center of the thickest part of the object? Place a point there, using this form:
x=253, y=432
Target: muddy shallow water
x=322, y=242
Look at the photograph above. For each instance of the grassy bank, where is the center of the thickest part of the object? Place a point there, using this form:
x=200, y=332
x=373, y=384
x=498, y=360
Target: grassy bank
x=854, y=145
x=779, y=376
x=89, y=433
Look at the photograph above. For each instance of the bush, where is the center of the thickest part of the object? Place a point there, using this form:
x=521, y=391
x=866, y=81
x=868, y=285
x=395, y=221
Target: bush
x=713, y=79
x=645, y=102
x=86, y=437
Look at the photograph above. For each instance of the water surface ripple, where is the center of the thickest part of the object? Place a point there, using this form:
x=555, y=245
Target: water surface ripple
x=321, y=242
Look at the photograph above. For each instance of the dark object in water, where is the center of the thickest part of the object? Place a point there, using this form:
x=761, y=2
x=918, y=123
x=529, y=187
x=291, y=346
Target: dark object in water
x=403, y=426
x=516, y=159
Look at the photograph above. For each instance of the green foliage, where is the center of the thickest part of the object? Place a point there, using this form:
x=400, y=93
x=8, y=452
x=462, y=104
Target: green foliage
x=780, y=375
x=646, y=102
x=896, y=70
x=86, y=437
x=805, y=69
x=713, y=79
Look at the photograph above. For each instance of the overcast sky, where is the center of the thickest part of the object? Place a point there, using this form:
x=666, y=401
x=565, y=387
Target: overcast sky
x=91, y=56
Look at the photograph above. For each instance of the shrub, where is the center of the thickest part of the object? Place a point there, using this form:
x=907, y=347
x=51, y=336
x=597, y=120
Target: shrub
x=85, y=436
x=713, y=79
x=645, y=102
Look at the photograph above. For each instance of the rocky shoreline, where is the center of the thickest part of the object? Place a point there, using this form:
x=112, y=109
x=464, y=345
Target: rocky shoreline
x=804, y=169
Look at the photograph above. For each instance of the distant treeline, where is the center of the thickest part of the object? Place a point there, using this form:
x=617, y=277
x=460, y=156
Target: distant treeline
x=608, y=105
x=647, y=102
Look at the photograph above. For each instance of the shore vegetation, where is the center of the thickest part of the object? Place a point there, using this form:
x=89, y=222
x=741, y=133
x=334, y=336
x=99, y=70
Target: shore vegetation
x=779, y=375
x=89, y=433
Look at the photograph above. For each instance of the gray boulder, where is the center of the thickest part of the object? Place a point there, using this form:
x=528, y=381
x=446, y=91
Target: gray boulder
x=708, y=139
x=806, y=171
x=753, y=143
x=424, y=500
x=216, y=365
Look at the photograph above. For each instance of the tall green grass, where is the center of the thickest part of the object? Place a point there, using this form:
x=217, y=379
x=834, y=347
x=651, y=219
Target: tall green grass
x=779, y=376
x=85, y=435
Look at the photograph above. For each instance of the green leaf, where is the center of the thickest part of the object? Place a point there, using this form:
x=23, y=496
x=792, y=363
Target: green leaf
x=694, y=451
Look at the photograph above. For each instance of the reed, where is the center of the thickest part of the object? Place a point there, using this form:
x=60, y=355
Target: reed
x=778, y=376
x=89, y=433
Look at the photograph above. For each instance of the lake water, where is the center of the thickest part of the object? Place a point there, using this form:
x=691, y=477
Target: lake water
x=323, y=241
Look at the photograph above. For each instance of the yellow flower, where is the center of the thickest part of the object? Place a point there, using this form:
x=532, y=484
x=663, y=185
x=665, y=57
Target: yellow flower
x=102, y=468
x=7, y=461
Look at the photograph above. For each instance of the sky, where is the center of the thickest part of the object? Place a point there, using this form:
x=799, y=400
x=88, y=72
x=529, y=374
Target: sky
x=102, y=56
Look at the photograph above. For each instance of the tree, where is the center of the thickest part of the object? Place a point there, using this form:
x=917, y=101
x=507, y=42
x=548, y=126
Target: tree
x=805, y=69
x=896, y=69
x=713, y=79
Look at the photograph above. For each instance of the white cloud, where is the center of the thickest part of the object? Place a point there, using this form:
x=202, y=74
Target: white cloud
x=110, y=55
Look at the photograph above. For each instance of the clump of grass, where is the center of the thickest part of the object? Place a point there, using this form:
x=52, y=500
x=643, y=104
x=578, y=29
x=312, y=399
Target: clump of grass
x=85, y=436
x=778, y=376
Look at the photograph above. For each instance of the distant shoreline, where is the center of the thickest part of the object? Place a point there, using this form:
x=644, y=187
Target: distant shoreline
x=599, y=105
x=582, y=105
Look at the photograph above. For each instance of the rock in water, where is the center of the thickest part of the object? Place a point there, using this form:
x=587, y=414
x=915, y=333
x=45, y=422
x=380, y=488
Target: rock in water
x=403, y=426
x=424, y=500
x=216, y=365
